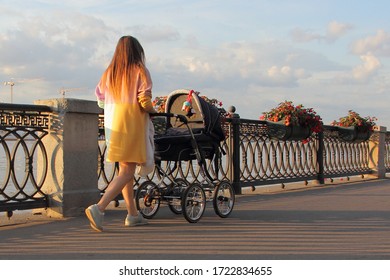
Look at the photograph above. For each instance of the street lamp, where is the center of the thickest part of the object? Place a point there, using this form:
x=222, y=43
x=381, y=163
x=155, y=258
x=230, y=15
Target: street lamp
x=11, y=84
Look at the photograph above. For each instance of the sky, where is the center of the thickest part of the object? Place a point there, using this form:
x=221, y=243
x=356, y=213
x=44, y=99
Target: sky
x=332, y=56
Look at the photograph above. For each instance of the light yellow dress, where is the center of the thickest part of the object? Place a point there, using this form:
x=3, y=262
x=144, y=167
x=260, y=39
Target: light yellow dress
x=126, y=122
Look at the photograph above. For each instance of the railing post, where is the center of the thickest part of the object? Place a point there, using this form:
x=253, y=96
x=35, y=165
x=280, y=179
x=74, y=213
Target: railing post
x=377, y=152
x=320, y=158
x=72, y=150
x=234, y=147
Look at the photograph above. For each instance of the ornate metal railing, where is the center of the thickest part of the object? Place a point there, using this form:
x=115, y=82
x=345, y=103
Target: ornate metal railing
x=343, y=158
x=22, y=128
x=252, y=158
x=387, y=152
x=106, y=171
x=263, y=161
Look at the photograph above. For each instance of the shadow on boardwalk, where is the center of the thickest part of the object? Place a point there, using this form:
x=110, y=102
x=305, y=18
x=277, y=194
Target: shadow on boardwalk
x=348, y=221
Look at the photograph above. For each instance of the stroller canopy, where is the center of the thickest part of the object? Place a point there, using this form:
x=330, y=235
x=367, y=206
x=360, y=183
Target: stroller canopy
x=201, y=114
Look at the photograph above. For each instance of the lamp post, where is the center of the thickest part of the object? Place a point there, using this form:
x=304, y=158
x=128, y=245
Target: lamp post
x=11, y=84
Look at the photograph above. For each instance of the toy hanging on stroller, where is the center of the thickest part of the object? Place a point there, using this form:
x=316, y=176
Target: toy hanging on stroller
x=197, y=135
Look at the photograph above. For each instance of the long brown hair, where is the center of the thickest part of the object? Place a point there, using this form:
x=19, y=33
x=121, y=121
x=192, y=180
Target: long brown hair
x=128, y=55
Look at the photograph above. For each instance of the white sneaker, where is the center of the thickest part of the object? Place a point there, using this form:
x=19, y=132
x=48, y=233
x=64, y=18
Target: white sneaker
x=95, y=217
x=132, y=221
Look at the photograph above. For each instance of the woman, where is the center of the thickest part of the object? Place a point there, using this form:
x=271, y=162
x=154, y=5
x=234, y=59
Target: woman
x=125, y=93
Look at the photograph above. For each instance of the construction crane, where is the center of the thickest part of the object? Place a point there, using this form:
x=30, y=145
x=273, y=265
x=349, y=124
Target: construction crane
x=63, y=91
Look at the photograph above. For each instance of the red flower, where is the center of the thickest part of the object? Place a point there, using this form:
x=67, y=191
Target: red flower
x=354, y=119
x=294, y=115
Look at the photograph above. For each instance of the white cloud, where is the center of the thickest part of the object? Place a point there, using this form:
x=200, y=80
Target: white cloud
x=378, y=44
x=367, y=73
x=237, y=66
x=368, y=68
x=285, y=75
x=62, y=49
x=334, y=31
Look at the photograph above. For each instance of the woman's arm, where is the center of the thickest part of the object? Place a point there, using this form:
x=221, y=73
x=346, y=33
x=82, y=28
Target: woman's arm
x=145, y=93
x=100, y=96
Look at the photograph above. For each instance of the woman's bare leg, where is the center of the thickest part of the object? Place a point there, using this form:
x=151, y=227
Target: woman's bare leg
x=121, y=183
x=128, y=196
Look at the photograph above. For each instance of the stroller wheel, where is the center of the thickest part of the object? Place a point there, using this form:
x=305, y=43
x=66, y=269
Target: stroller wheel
x=224, y=199
x=147, y=199
x=193, y=203
x=177, y=193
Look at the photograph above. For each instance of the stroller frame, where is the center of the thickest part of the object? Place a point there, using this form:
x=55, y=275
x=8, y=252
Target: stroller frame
x=182, y=196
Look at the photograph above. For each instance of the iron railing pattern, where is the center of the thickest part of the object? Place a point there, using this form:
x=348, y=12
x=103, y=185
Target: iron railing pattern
x=343, y=158
x=266, y=161
x=254, y=159
x=387, y=152
x=106, y=171
x=251, y=157
x=22, y=128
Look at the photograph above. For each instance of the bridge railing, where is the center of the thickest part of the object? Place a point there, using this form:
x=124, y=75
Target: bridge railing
x=386, y=157
x=53, y=156
x=22, y=130
x=258, y=160
x=253, y=159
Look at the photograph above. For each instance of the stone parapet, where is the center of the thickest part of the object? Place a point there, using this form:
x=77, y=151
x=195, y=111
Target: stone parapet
x=72, y=151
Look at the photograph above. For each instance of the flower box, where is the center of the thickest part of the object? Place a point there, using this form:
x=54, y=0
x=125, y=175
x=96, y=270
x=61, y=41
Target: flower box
x=354, y=128
x=354, y=133
x=290, y=122
x=280, y=131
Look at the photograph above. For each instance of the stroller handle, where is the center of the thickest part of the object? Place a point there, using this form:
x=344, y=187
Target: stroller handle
x=182, y=118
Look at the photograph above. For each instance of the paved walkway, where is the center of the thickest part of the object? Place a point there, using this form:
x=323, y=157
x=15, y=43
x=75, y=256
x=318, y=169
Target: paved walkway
x=347, y=221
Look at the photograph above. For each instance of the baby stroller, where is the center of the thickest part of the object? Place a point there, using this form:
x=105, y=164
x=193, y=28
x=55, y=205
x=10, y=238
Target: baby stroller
x=191, y=131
